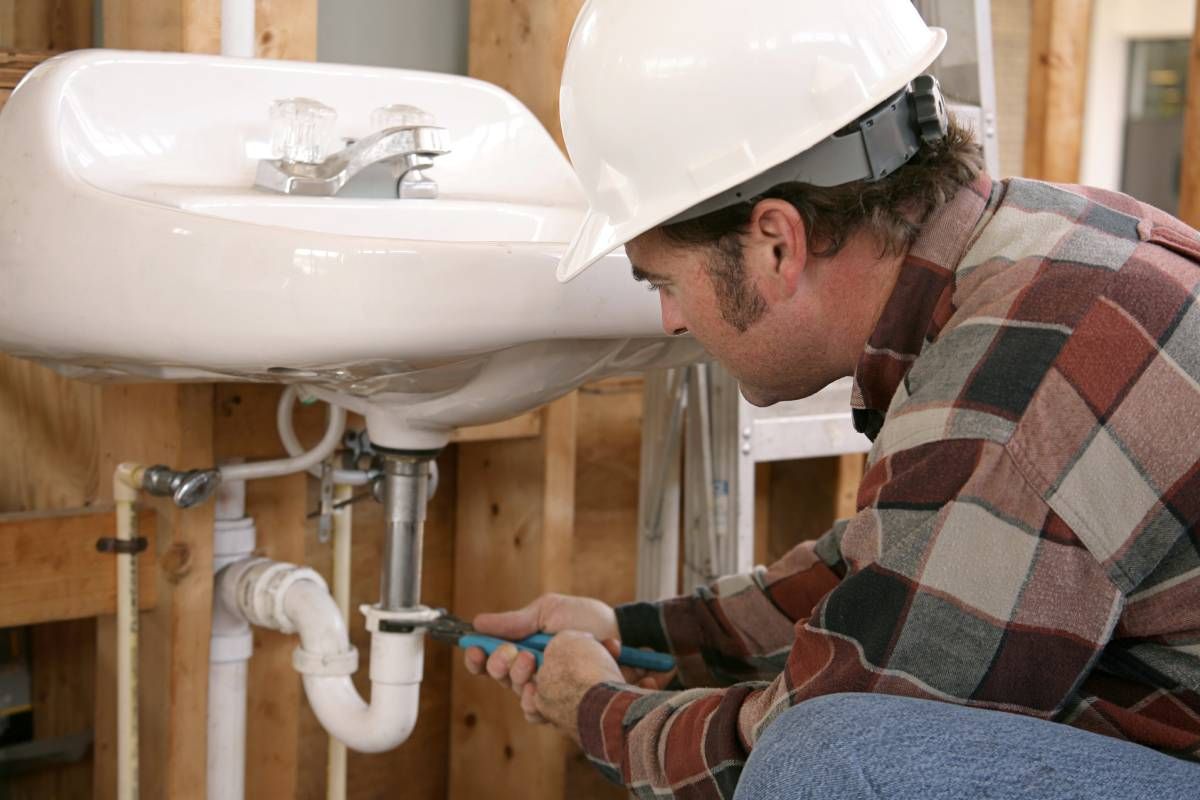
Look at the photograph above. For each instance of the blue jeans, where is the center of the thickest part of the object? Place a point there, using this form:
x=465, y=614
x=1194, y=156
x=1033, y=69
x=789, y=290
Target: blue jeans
x=859, y=746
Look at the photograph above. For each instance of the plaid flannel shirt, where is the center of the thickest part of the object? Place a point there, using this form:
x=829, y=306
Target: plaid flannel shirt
x=1027, y=537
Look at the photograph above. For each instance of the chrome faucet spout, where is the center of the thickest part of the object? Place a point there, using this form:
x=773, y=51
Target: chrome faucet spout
x=408, y=150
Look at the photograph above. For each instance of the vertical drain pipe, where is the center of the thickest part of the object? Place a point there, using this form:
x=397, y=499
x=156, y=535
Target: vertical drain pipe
x=405, y=495
x=230, y=648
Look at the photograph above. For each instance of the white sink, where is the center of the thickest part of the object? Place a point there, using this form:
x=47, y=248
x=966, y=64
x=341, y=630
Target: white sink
x=133, y=245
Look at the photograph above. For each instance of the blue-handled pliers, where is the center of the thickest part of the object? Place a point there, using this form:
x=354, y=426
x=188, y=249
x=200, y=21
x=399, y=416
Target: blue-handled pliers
x=449, y=628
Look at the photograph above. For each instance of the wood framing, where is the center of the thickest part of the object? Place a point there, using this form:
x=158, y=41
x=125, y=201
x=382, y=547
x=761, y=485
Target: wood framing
x=513, y=542
x=45, y=24
x=162, y=424
x=1057, y=81
x=520, y=45
x=1189, y=190
x=51, y=570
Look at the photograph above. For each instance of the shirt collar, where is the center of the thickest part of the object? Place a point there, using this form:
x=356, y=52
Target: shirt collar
x=919, y=305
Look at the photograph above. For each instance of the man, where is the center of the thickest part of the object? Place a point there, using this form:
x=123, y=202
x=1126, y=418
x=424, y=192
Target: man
x=1026, y=359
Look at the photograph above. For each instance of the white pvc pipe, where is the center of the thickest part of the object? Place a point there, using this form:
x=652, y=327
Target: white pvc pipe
x=227, y=730
x=376, y=728
x=396, y=665
x=230, y=648
x=287, y=435
x=299, y=463
x=126, y=479
x=335, y=772
x=237, y=28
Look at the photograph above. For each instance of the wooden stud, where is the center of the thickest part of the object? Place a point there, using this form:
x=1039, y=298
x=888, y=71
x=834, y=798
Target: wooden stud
x=287, y=29
x=51, y=570
x=520, y=45
x=513, y=542
x=850, y=469
x=605, y=546
x=163, y=424
x=45, y=24
x=49, y=448
x=1189, y=190
x=1057, y=81
x=522, y=427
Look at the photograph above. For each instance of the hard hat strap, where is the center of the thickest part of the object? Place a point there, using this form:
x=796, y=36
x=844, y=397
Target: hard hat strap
x=871, y=148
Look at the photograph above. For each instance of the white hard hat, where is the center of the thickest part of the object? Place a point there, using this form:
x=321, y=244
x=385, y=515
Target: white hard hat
x=668, y=104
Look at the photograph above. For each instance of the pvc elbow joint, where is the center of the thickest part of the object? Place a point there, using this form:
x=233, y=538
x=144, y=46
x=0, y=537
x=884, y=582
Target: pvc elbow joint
x=295, y=599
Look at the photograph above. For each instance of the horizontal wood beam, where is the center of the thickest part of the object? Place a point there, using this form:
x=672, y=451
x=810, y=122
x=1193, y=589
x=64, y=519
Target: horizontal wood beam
x=50, y=568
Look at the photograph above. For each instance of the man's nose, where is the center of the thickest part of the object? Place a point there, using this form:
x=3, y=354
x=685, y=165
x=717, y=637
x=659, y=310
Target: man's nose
x=672, y=320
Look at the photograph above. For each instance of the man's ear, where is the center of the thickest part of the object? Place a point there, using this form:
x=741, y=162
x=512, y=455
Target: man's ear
x=776, y=248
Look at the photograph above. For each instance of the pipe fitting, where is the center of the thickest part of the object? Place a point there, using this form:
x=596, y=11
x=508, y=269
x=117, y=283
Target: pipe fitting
x=186, y=488
x=258, y=588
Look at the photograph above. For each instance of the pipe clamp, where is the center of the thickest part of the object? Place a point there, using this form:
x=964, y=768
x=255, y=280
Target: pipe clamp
x=307, y=663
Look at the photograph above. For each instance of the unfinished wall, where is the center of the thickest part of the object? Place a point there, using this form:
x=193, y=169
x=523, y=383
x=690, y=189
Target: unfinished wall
x=1010, y=35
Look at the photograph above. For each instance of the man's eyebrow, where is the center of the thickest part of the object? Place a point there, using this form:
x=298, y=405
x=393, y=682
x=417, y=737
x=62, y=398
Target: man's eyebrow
x=641, y=275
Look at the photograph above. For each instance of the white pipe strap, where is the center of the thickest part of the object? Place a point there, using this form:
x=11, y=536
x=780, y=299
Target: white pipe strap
x=310, y=663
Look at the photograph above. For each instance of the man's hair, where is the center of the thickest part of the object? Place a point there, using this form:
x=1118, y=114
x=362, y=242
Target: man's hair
x=890, y=210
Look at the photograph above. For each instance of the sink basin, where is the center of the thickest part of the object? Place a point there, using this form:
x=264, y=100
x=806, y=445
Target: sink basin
x=133, y=245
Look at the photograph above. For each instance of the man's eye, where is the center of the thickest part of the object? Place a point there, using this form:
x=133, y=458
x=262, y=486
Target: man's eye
x=654, y=287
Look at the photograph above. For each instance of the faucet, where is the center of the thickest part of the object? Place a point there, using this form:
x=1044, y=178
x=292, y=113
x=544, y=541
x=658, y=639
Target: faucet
x=408, y=143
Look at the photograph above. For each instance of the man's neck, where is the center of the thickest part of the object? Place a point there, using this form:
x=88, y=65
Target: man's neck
x=859, y=285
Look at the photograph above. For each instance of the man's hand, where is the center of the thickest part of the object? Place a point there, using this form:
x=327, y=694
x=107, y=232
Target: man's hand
x=573, y=663
x=553, y=613
x=550, y=613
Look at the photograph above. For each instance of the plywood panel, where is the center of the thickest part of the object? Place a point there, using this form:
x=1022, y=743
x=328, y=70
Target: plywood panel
x=513, y=542
x=604, y=559
x=806, y=497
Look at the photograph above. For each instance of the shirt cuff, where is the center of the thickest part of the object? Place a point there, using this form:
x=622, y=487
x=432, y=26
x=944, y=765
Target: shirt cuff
x=600, y=722
x=641, y=625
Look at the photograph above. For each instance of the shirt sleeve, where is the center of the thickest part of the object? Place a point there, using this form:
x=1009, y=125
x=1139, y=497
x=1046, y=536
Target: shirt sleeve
x=961, y=585
x=741, y=627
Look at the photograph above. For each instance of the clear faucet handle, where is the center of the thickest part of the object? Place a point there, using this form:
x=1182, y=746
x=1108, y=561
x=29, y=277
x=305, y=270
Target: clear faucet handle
x=400, y=116
x=301, y=130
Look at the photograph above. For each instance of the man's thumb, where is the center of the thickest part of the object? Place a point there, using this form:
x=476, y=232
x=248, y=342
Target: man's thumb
x=509, y=624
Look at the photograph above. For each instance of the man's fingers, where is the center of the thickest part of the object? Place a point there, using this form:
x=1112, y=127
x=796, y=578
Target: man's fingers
x=475, y=659
x=500, y=662
x=522, y=669
x=529, y=704
x=509, y=624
